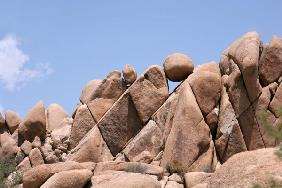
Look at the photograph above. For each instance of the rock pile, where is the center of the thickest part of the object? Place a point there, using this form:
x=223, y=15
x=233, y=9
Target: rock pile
x=131, y=132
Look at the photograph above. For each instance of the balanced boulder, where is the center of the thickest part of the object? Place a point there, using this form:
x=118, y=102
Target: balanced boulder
x=129, y=74
x=178, y=66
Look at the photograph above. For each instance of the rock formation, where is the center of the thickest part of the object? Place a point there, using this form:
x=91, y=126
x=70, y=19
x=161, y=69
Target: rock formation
x=129, y=131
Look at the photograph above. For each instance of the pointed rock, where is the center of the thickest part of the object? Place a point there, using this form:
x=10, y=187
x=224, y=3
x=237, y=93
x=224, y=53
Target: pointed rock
x=129, y=74
x=55, y=115
x=12, y=120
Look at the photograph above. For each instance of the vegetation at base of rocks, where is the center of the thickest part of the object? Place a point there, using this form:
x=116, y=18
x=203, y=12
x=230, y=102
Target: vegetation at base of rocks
x=8, y=166
x=274, y=132
x=139, y=168
x=175, y=168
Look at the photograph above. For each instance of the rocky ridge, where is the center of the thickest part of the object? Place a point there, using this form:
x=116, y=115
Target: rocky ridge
x=129, y=131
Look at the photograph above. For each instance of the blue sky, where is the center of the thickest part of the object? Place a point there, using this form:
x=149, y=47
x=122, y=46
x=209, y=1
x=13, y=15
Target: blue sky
x=50, y=49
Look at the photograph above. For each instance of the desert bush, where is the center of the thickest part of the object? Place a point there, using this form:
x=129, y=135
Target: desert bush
x=7, y=167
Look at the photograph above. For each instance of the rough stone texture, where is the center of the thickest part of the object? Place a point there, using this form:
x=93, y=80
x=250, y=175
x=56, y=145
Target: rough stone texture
x=12, y=120
x=206, y=85
x=98, y=107
x=149, y=139
x=149, y=92
x=270, y=63
x=120, y=124
x=124, y=180
x=135, y=167
x=175, y=177
x=194, y=178
x=129, y=74
x=36, y=176
x=35, y=157
x=173, y=184
x=189, y=137
x=247, y=169
x=55, y=114
x=24, y=165
x=178, y=66
x=276, y=103
x=26, y=147
x=69, y=179
x=165, y=114
x=91, y=148
x=89, y=90
x=34, y=124
x=8, y=147
x=82, y=123
x=60, y=135
x=229, y=139
x=245, y=53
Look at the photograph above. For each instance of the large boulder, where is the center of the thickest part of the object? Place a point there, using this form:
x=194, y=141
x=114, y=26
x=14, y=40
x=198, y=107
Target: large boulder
x=206, y=85
x=8, y=147
x=12, y=120
x=189, y=137
x=270, y=63
x=129, y=74
x=99, y=106
x=82, y=123
x=36, y=176
x=245, y=53
x=91, y=148
x=247, y=169
x=124, y=180
x=69, y=179
x=148, y=140
x=34, y=124
x=55, y=115
x=178, y=66
x=89, y=90
x=149, y=92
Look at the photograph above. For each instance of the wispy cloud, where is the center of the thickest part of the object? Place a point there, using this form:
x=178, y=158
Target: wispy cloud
x=13, y=72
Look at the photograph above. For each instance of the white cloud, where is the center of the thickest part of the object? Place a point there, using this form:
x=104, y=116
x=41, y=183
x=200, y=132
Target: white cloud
x=13, y=71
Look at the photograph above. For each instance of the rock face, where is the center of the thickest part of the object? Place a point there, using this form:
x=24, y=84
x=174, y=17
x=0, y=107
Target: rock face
x=12, y=120
x=34, y=124
x=178, y=66
x=270, y=63
x=215, y=129
x=55, y=114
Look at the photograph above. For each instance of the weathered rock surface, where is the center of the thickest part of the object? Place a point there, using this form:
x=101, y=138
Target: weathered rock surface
x=129, y=74
x=55, y=114
x=12, y=120
x=276, y=103
x=189, y=136
x=69, y=179
x=8, y=147
x=178, y=66
x=3, y=125
x=270, y=63
x=35, y=157
x=89, y=90
x=34, y=124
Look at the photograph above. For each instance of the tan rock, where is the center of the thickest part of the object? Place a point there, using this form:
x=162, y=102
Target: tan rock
x=36, y=142
x=82, y=123
x=276, y=103
x=134, y=167
x=189, y=137
x=229, y=139
x=89, y=90
x=270, y=63
x=8, y=147
x=35, y=157
x=178, y=66
x=55, y=114
x=36, y=176
x=245, y=53
x=99, y=106
x=91, y=148
x=149, y=139
x=12, y=120
x=34, y=124
x=24, y=165
x=194, y=178
x=129, y=74
x=149, y=92
x=3, y=125
x=26, y=147
x=124, y=180
x=60, y=135
x=246, y=169
x=175, y=177
x=69, y=179
x=173, y=184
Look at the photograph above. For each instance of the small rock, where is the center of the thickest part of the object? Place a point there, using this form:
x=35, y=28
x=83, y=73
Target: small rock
x=35, y=157
x=129, y=74
x=26, y=147
x=175, y=177
x=36, y=142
